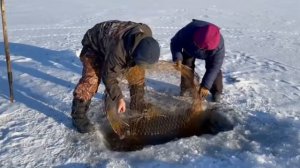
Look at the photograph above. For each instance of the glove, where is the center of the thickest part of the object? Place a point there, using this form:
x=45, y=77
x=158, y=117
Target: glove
x=178, y=65
x=203, y=92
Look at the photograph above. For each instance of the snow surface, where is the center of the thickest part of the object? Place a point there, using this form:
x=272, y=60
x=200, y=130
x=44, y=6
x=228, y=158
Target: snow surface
x=261, y=77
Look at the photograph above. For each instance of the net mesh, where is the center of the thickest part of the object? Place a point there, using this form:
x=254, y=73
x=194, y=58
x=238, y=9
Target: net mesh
x=162, y=116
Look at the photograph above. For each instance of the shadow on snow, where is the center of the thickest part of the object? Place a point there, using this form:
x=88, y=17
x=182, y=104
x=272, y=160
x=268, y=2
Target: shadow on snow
x=45, y=58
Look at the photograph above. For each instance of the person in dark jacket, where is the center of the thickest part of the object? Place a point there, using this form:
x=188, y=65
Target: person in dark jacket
x=112, y=49
x=202, y=40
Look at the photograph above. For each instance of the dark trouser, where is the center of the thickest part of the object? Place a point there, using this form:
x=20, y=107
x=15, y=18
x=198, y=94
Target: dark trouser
x=187, y=83
x=217, y=87
x=136, y=81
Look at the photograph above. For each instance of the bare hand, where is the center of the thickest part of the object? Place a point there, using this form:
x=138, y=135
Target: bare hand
x=121, y=106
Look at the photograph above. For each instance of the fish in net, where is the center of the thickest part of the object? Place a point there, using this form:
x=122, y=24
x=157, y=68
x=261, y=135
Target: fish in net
x=163, y=118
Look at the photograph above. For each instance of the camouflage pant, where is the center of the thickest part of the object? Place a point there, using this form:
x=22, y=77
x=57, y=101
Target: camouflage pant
x=91, y=76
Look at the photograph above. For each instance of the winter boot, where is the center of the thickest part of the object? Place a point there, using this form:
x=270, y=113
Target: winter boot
x=79, y=118
x=137, y=101
x=216, y=97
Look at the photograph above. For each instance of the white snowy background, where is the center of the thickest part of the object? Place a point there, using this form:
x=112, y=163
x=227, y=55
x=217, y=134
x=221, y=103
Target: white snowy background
x=261, y=82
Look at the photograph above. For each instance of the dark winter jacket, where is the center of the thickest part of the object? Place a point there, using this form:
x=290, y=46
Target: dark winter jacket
x=183, y=42
x=115, y=41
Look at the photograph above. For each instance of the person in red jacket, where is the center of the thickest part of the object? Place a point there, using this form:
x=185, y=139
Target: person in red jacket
x=202, y=40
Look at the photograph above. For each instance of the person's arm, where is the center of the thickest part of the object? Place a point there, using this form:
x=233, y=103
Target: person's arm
x=213, y=65
x=176, y=46
x=111, y=71
x=111, y=84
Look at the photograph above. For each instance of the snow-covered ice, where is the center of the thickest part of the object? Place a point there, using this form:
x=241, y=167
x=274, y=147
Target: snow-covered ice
x=261, y=77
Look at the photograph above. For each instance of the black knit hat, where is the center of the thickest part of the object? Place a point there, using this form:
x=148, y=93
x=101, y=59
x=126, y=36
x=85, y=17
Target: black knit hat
x=147, y=52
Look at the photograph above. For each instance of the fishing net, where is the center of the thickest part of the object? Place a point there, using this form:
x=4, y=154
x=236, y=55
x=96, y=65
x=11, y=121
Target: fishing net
x=164, y=114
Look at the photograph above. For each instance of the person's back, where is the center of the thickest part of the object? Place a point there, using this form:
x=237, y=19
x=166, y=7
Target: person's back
x=104, y=36
x=202, y=40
